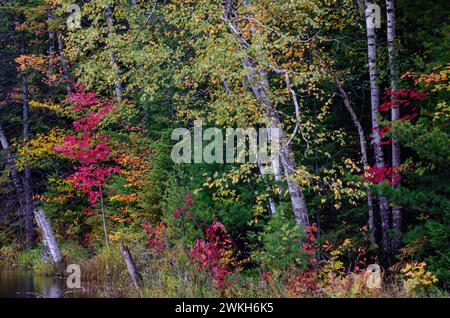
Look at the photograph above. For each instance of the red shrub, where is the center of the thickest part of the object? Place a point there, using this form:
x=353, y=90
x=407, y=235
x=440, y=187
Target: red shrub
x=87, y=146
x=378, y=175
x=209, y=255
x=157, y=237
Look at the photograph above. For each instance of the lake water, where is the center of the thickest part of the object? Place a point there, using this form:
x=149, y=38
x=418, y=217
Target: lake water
x=20, y=283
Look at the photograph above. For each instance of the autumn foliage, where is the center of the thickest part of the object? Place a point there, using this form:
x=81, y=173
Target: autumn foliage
x=210, y=254
x=87, y=146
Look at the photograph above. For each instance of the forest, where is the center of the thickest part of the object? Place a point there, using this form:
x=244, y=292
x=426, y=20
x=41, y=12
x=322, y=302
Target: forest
x=115, y=114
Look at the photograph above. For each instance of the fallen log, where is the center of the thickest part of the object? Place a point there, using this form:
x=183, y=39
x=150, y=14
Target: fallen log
x=131, y=266
x=50, y=242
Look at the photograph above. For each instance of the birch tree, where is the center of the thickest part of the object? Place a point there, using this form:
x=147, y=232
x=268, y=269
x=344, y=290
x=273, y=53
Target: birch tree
x=258, y=80
x=375, y=103
x=395, y=115
x=13, y=171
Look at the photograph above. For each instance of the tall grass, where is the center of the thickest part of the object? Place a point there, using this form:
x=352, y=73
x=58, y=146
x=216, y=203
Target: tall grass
x=172, y=274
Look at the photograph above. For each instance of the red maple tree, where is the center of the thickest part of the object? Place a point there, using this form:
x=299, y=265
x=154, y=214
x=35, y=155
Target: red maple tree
x=88, y=147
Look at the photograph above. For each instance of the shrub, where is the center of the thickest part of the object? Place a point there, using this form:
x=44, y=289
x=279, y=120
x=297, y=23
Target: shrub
x=214, y=255
x=281, y=245
x=8, y=255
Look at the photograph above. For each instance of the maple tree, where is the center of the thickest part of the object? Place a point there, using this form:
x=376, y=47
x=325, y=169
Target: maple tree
x=89, y=148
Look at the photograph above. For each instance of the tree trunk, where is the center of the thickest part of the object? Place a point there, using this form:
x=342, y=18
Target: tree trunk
x=375, y=102
x=362, y=143
x=131, y=266
x=17, y=182
x=65, y=69
x=48, y=236
x=259, y=83
x=105, y=231
x=113, y=59
x=29, y=204
x=364, y=157
x=27, y=180
x=261, y=167
x=395, y=115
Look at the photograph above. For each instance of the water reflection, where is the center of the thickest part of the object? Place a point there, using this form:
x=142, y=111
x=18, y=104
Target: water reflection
x=20, y=283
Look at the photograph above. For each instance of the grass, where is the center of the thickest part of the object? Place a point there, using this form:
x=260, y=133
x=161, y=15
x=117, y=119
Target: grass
x=174, y=275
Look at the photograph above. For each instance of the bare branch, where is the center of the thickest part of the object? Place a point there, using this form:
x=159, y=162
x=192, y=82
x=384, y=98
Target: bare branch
x=296, y=105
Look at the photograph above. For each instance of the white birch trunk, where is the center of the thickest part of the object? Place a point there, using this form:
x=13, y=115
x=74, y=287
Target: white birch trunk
x=17, y=182
x=48, y=236
x=375, y=103
x=395, y=114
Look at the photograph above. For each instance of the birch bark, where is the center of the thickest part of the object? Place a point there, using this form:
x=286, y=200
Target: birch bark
x=17, y=182
x=48, y=236
x=375, y=103
x=395, y=115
